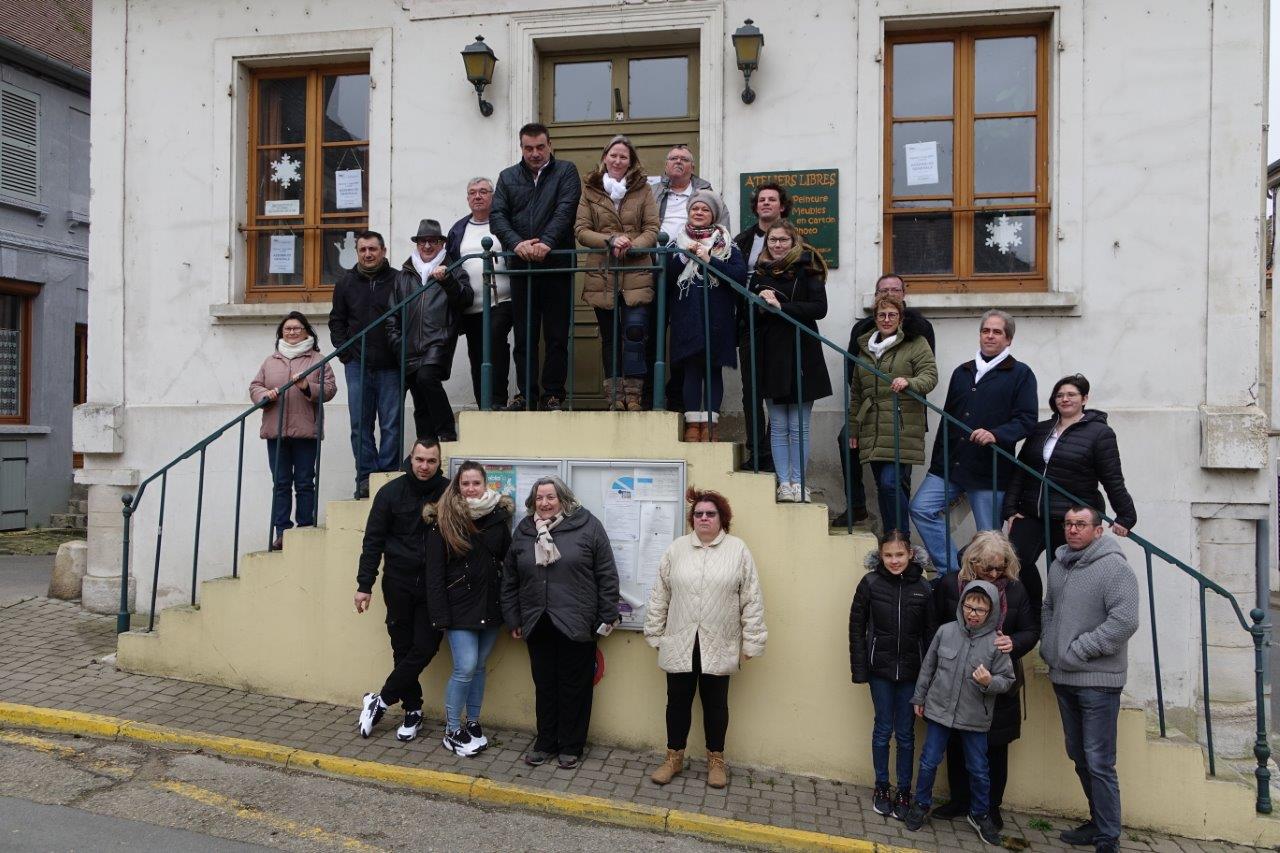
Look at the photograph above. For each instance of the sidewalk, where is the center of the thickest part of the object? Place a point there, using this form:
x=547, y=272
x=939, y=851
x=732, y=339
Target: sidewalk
x=51, y=649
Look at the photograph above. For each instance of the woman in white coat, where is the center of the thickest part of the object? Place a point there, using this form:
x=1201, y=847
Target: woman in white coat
x=705, y=617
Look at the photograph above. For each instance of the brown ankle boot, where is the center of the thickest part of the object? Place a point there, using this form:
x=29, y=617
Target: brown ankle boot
x=669, y=768
x=692, y=432
x=717, y=772
x=633, y=391
x=613, y=395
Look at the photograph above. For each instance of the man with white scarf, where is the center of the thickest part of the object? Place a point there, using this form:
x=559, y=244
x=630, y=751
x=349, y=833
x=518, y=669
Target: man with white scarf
x=430, y=328
x=994, y=396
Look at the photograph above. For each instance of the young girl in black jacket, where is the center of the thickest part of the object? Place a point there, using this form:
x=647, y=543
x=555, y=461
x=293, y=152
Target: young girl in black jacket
x=891, y=624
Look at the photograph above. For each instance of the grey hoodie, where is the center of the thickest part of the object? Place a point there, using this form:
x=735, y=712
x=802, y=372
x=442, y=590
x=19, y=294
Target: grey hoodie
x=946, y=687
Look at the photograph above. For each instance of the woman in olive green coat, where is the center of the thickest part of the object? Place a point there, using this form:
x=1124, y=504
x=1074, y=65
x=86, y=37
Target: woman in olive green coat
x=909, y=363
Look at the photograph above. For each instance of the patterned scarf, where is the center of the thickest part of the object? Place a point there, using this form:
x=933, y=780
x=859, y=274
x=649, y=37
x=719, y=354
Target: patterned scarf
x=715, y=237
x=545, y=551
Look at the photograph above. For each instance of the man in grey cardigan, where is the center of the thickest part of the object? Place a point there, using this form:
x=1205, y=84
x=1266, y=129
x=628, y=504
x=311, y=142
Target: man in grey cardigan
x=1090, y=612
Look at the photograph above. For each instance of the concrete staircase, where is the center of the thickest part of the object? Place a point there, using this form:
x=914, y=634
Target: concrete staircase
x=77, y=515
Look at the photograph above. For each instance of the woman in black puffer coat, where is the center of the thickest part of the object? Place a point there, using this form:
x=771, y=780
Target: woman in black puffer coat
x=990, y=557
x=1078, y=451
x=468, y=537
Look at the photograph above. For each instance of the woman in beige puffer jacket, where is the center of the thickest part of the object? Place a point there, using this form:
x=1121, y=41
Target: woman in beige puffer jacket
x=705, y=616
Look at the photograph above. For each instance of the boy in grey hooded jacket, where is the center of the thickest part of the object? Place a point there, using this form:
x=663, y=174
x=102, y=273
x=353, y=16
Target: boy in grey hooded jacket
x=955, y=692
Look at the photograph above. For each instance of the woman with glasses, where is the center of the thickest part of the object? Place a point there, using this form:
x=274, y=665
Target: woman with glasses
x=706, y=618
x=292, y=454
x=1077, y=450
x=904, y=362
x=989, y=557
x=791, y=281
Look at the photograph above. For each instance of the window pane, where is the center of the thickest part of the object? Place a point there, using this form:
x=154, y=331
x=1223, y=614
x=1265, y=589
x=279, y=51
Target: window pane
x=930, y=165
x=1004, y=202
x=922, y=79
x=658, y=87
x=1004, y=241
x=345, y=173
x=583, y=91
x=1004, y=155
x=280, y=180
x=1004, y=72
x=279, y=258
x=11, y=365
x=282, y=114
x=346, y=108
x=922, y=244
x=932, y=202
x=338, y=252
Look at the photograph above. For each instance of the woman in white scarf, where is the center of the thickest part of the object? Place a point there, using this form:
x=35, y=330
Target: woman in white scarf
x=292, y=427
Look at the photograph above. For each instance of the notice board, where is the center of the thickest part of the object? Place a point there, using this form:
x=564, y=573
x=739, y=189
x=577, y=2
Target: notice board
x=815, y=210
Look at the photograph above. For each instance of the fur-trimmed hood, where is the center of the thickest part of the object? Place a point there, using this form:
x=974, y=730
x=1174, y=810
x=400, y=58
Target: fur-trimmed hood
x=920, y=563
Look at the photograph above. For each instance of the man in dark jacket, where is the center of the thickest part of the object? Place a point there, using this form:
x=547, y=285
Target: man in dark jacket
x=534, y=209
x=913, y=323
x=994, y=396
x=373, y=388
x=395, y=535
x=430, y=328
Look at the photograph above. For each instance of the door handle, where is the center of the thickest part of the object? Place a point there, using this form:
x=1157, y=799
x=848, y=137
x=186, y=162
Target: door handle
x=618, y=114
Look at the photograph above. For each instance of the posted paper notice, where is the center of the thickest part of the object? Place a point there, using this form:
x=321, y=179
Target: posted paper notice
x=621, y=514
x=348, y=189
x=922, y=163
x=281, y=260
x=658, y=484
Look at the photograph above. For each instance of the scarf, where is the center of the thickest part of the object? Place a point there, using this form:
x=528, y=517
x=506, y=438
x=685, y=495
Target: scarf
x=878, y=345
x=984, y=367
x=714, y=237
x=616, y=189
x=482, y=506
x=426, y=268
x=545, y=551
x=1001, y=583
x=302, y=347
x=777, y=266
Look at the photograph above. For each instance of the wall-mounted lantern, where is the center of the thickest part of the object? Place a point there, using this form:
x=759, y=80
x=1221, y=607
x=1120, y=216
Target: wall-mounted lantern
x=747, y=41
x=479, y=61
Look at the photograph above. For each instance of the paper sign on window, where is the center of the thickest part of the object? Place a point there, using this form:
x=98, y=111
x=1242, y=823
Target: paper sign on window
x=922, y=163
x=281, y=262
x=282, y=207
x=348, y=189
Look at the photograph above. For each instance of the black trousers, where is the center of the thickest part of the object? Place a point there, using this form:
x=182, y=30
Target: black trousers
x=563, y=671
x=715, y=705
x=432, y=412
x=472, y=325
x=958, y=777
x=1027, y=538
x=413, y=641
x=757, y=429
x=859, y=491
x=540, y=307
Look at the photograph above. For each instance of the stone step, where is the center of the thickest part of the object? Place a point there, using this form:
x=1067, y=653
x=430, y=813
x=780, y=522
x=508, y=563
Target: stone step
x=69, y=520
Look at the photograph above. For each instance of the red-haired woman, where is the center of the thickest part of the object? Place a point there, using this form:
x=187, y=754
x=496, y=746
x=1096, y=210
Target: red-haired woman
x=705, y=617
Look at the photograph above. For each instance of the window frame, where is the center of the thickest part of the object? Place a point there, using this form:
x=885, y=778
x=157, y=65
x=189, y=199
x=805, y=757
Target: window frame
x=27, y=293
x=963, y=206
x=313, y=221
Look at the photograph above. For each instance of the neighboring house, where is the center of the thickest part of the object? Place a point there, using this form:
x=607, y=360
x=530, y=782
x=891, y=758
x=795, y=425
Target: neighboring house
x=44, y=251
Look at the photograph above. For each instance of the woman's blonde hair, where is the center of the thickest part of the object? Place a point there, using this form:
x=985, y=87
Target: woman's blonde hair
x=452, y=517
x=989, y=548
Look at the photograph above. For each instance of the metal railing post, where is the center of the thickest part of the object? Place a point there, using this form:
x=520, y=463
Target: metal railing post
x=122, y=615
x=755, y=388
x=1155, y=644
x=486, y=327
x=569, y=345
x=1261, y=749
x=660, y=327
x=155, y=575
x=800, y=415
x=897, y=460
x=235, y=536
x=1204, y=672
x=195, y=547
x=846, y=456
x=706, y=344
x=404, y=336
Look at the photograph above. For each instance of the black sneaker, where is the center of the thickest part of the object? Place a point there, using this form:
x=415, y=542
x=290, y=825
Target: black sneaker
x=459, y=743
x=842, y=520
x=477, y=735
x=552, y=404
x=901, y=803
x=951, y=810
x=517, y=404
x=371, y=711
x=1081, y=836
x=1106, y=847
x=881, y=799
x=985, y=828
x=997, y=818
x=536, y=757
x=916, y=816
x=567, y=762
x=362, y=490
x=409, y=728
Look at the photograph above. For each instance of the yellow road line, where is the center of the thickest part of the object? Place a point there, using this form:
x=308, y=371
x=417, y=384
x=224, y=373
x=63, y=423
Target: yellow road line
x=274, y=821
x=37, y=743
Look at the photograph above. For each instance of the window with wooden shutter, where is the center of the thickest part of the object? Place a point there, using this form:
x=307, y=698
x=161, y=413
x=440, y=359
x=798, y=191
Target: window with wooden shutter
x=19, y=143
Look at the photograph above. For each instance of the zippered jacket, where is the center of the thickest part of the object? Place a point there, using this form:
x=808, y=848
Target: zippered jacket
x=395, y=533
x=892, y=621
x=464, y=590
x=543, y=211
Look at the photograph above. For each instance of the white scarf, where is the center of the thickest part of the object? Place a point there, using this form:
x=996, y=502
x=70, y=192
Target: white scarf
x=426, y=268
x=691, y=266
x=878, y=347
x=545, y=551
x=482, y=506
x=985, y=367
x=616, y=189
x=302, y=347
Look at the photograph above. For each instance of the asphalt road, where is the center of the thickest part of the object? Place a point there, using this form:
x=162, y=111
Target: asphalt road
x=23, y=577
x=61, y=793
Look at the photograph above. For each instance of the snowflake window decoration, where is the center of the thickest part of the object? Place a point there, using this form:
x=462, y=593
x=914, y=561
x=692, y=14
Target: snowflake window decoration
x=1004, y=234
x=285, y=171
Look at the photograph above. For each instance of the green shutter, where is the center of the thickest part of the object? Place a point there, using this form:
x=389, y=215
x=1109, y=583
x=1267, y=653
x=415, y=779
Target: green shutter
x=19, y=143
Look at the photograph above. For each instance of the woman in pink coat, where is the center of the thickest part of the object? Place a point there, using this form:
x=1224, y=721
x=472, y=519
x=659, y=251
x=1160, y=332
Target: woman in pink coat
x=293, y=454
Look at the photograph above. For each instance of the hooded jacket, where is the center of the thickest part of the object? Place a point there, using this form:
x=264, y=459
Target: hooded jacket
x=946, y=687
x=359, y=298
x=431, y=319
x=892, y=621
x=598, y=222
x=579, y=591
x=395, y=532
x=464, y=591
x=912, y=321
x=1090, y=612
x=871, y=399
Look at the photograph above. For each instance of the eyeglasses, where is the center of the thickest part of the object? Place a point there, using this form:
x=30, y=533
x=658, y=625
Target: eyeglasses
x=887, y=315
x=1078, y=525
x=479, y=192
x=676, y=158
x=298, y=329
x=999, y=568
x=705, y=513
x=778, y=241
x=976, y=611
x=430, y=241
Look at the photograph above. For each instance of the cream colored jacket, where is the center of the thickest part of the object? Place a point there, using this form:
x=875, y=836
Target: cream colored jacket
x=711, y=593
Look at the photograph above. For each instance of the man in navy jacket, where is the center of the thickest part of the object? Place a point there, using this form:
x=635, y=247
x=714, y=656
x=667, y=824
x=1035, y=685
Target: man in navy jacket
x=994, y=396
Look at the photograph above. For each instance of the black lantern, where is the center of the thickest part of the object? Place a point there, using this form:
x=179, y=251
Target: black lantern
x=479, y=61
x=747, y=41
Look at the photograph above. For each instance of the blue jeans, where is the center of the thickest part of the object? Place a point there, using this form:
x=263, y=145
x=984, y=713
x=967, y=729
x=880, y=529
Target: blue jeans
x=1089, y=717
x=470, y=650
x=974, y=745
x=376, y=393
x=694, y=370
x=296, y=475
x=894, y=716
x=931, y=514
x=789, y=438
x=893, y=495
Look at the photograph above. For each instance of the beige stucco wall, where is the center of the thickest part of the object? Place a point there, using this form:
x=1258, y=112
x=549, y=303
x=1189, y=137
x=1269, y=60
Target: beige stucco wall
x=287, y=627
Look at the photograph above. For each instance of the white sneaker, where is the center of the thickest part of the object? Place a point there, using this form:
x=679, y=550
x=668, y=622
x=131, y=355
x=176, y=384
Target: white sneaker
x=796, y=492
x=786, y=493
x=409, y=728
x=459, y=742
x=477, y=735
x=371, y=711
